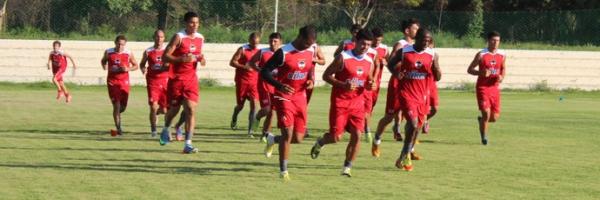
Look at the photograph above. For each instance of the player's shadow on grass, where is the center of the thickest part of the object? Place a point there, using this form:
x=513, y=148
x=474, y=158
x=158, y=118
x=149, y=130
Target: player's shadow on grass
x=89, y=149
x=132, y=168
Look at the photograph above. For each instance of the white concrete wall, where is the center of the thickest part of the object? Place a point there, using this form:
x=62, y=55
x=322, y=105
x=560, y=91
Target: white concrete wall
x=25, y=61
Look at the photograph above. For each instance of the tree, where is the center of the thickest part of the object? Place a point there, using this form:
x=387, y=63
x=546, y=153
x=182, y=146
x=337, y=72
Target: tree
x=359, y=11
x=2, y=16
x=475, y=25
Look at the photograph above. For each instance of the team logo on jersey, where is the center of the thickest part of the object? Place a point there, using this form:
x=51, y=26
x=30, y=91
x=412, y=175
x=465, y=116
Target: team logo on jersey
x=493, y=62
x=418, y=64
x=158, y=59
x=359, y=71
x=192, y=48
x=117, y=61
x=301, y=64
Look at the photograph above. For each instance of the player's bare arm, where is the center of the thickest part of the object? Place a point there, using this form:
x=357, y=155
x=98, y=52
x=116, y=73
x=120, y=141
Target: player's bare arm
x=134, y=65
x=273, y=63
x=49, y=64
x=502, y=71
x=471, y=70
x=234, y=60
x=339, y=49
x=254, y=60
x=143, y=62
x=371, y=78
x=336, y=66
x=71, y=59
x=310, y=83
x=320, y=57
x=104, y=60
x=437, y=73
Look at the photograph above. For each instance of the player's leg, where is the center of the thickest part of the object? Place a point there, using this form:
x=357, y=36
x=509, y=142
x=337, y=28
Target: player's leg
x=238, y=106
x=284, y=149
x=432, y=111
x=116, y=104
x=169, y=116
x=483, y=125
x=252, y=123
x=178, y=124
x=55, y=81
x=153, y=117
x=412, y=130
x=383, y=122
x=189, y=107
x=351, y=151
x=338, y=118
x=397, y=128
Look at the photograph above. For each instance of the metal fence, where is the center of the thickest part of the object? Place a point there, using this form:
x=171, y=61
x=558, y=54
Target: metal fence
x=65, y=17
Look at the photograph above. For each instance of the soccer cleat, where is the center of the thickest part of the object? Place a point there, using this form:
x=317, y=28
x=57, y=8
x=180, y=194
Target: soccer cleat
x=426, y=128
x=250, y=135
x=417, y=141
x=59, y=95
x=484, y=141
x=153, y=134
x=164, y=137
x=369, y=137
x=398, y=136
x=269, y=147
x=263, y=137
x=285, y=175
x=114, y=133
x=316, y=149
x=179, y=134
x=68, y=98
x=189, y=149
x=346, y=172
x=404, y=164
x=415, y=156
x=234, y=125
x=375, y=148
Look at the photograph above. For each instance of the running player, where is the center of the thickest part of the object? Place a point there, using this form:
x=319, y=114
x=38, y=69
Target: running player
x=379, y=53
x=246, y=80
x=293, y=62
x=350, y=74
x=349, y=43
x=419, y=62
x=319, y=58
x=265, y=90
x=57, y=61
x=392, y=106
x=118, y=61
x=157, y=77
x=490, y=73
x=183, y=52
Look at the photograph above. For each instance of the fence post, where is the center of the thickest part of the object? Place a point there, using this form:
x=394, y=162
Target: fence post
x=276, y=12
x=3, y=16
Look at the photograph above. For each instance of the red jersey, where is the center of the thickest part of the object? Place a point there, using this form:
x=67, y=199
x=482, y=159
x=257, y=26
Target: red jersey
x=243, y=75
x=190, y=44
x=155, y=63
x=295, y=70
x=382, y=51
x=356, y=70
x=59, y=60
x=116, y=62
x=417, y=68
x=493, y=62
x=348, y=45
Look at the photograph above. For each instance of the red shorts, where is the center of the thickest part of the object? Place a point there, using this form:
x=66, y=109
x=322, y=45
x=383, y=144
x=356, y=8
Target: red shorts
x=368, y=96
x=118, y=91
x=489, y=98
x=392, y=105
x=414, y=111
x=157, y=91
x=58, y=72
x=245, y=90
x=433, y=100
x=291, y=111
x=179, y=90
x=265, y=94
x=345, y=119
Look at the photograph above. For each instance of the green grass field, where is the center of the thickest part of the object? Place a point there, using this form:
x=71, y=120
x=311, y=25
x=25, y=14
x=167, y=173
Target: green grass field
x=541, y=148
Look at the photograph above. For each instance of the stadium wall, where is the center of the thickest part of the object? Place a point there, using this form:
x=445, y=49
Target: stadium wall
x=25, y=61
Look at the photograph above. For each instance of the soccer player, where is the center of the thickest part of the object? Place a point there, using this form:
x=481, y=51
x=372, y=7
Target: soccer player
x=118, y=61
x=490, y=73
x=392, y=106
x=350, y=74
x=417, y=64
x=293, y=64
x=319, y=58
x=265, y=90
x=349, y=43
x=246, y=80
x=58, y=61
x=379, y=54
x=157, y=77
x=184, y=52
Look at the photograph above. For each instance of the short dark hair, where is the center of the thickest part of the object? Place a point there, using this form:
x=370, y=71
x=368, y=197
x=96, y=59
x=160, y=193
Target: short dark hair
x=422, y=32
x=120, y=37
x=409, y=22
x=364, y=35
x=275, y=35
x=158, y=30
x=492, y=34
x=56, y=42
x=377, y=32
x=355, y=28
x=189, y=15
x=307, y=32
x=253, y=35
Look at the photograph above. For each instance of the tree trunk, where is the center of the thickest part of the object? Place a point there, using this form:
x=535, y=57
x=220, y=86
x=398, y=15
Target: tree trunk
x=3, y=16
x=163, y=13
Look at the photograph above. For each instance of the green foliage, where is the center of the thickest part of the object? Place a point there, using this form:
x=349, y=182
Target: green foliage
x=121, y=7
x=209, y=82
x=475, y=25
x=541, y=86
